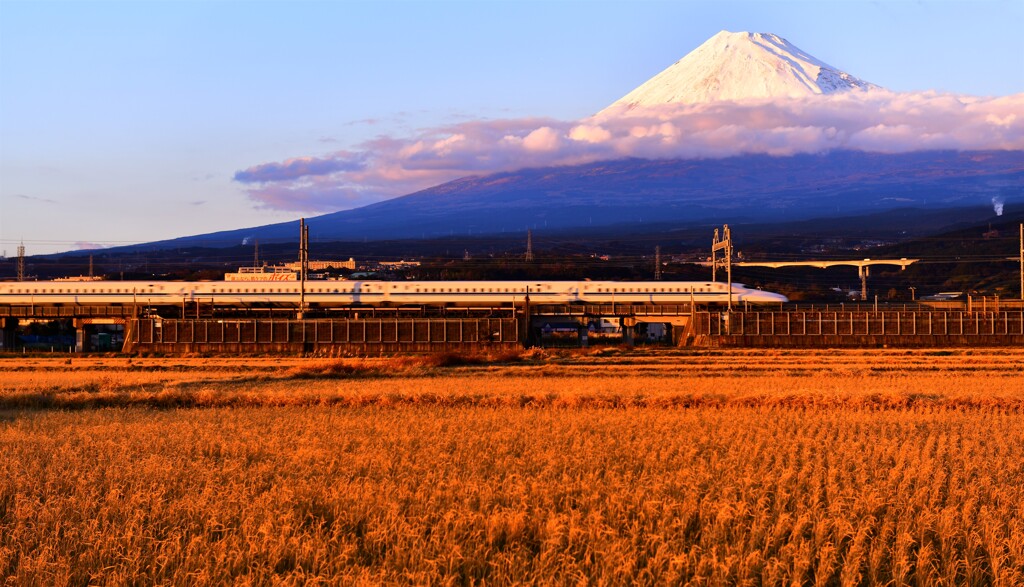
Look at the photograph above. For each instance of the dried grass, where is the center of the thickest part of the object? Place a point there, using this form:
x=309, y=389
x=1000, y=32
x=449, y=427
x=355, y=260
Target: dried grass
x=675, y=468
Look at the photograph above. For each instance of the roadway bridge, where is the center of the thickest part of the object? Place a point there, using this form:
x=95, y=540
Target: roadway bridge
x=863, y=267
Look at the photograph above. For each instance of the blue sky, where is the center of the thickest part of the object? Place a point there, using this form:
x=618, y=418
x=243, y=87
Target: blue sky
x=126, y=122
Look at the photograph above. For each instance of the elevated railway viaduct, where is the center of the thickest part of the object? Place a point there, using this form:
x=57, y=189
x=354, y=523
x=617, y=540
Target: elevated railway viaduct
x=198, y=326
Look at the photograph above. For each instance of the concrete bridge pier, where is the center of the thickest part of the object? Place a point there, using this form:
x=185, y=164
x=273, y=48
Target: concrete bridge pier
x=81, y=335
x=628, y=330
x=10, y=333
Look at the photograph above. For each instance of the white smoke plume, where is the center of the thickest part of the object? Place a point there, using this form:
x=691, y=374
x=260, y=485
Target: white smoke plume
x=875, y=121
x=997, y=204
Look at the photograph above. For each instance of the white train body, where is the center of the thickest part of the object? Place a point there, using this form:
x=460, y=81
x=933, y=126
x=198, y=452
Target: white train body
x=376, y=293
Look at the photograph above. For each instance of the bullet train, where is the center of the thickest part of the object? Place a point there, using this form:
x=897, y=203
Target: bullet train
x=376, y=293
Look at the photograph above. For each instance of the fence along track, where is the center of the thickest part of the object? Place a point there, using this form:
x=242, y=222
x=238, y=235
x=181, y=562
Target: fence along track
x=869, y=328
x=322, y=336
x=780, y=329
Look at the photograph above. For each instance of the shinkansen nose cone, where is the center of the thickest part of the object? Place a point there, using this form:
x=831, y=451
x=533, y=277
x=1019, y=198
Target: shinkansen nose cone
x=756, y=296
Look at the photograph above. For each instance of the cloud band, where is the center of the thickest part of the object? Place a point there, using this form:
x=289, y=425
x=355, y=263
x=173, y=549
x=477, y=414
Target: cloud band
x=874, y=121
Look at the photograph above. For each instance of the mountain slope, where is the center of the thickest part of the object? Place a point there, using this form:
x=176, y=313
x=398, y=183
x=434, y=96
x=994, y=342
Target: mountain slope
x=737, y=66
x=752, y=188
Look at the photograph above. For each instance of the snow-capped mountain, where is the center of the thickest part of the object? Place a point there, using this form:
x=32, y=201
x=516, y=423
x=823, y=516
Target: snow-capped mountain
x=738, y=66
x=634, y=193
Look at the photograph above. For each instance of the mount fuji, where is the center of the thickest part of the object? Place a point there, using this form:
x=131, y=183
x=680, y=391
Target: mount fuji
x=740, y=66
x=752, y=187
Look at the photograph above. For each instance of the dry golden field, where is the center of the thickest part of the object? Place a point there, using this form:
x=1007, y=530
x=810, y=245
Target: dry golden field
x=604, y=467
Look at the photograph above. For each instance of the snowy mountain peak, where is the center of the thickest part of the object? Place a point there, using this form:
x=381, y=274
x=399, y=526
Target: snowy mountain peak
x=738, y=66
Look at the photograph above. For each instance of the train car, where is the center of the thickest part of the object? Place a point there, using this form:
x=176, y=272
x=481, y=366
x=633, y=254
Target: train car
x=375, y=293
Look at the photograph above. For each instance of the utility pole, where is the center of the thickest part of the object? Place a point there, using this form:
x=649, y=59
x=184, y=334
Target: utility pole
x=529, y=245
x=303, y=264
x=256, y=253
x=90, y=266
x=657, y=263
x=21, y=262
x=723, y=243
x=305, y=251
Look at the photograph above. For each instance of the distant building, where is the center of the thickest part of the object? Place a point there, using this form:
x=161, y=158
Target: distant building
x=321, y=265
x=286, y=272
x=398, y=264
x=262, y=274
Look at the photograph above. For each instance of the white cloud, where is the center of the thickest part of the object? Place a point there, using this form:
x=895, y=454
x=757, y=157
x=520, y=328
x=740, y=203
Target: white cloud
x=877, y=121
x=589, y=133
x=544, y=138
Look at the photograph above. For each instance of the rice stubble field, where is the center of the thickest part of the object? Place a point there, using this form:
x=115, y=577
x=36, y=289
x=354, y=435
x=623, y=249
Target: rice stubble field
x=715, y=467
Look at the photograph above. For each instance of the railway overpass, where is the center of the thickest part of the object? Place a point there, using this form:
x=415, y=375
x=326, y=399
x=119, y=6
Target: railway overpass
x=202, y=327
x=393, y=327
